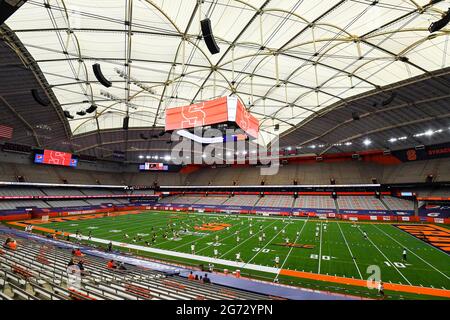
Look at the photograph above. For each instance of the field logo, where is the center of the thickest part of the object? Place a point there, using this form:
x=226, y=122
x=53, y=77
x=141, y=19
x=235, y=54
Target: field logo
x=212, y=226
x=295, y=245
x=436, y=236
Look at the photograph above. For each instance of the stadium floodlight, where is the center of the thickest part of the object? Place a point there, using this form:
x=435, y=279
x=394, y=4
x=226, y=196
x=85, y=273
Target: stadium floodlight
x=141, y=157
x=438, y=25
x=367, y=142
x=429, y=132
x=391, y=140
x=167, y=158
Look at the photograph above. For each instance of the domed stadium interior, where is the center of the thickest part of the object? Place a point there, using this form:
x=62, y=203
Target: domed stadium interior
x=225, y=150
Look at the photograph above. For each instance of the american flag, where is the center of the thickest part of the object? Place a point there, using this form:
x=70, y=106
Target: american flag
x=6, y=132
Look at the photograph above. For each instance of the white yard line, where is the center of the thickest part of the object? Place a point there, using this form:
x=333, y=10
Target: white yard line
x=267, y=243
x=413, y=253
x=195, y=240
x=241, y=243
x=290, y=250
x=320, y=247
x=349, y=250
x=392, y=264
x=233, y=234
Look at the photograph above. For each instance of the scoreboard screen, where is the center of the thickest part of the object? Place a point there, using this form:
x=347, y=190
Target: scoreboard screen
x=57, y=158
x=150, y=166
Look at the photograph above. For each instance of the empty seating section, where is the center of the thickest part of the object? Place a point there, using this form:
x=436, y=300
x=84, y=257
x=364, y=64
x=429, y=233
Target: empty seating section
x=242, y=200
x=211, y=200
x=36, y=271
x=96, y=192
x=319, y=202
x=62, y=192
x=398, y=204
x=14, y=204
x=305, y=173
x=101, y=201
x=17, y=191
x=360, y=203
x=441, y=192
x=276, y=201
x=180, y=199
x=67, y=203
x=184, y=200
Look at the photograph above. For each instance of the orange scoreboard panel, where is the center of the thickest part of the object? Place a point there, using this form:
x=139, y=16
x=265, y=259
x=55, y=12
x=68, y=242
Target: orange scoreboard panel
x=221, y=110
x=197, y=115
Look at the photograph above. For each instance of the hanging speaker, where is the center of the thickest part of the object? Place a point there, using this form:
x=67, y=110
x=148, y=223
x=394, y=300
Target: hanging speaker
x=126, y=122
x=143, y=137
x=208, y=36
x=277, y=127
x=81, y=113
x=68, y=115
x=355, y=116
x=8, y=7
x=91, y=109
x=389, y=100
x=100, y=77
x=38, y=99
x=438, y=25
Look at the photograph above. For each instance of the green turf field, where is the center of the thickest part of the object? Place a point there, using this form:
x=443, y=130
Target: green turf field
x=331, y=244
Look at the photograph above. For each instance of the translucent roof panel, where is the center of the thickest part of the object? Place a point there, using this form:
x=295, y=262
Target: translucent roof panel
x=286, y=60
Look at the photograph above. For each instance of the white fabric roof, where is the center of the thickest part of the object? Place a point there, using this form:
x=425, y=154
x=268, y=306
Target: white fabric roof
x=287, y=63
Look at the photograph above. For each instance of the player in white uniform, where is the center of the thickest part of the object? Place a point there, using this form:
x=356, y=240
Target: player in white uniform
x=216, y=253
x=277, y=261
x=193, y=248
x=238, y=256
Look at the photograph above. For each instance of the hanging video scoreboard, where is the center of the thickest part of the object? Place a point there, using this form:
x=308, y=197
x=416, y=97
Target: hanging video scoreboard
x=151, y=166
x=57, y=158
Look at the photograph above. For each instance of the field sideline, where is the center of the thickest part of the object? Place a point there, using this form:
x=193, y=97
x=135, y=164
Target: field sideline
x=321, y=247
